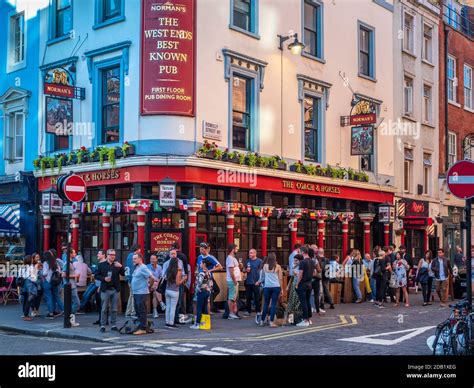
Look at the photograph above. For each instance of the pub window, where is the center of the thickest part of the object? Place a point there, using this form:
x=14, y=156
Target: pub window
x=166, y=220
x=244, y=16
x=217, y=236
x=92, y=239
x=93, y=194
x=123, y=234
x=16, y=42
x=366, y=51
x=111, y=104
x=216, y=195
x=61, y=14
x=312, y=112
x=121, y=193
x=241, y=112
x=313, y=29
x=247, y=234
x=279, y=239
x=14, y=136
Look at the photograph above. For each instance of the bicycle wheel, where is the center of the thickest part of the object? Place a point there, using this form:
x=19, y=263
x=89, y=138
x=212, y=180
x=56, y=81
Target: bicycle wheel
x=443, y=344
x=460, y=339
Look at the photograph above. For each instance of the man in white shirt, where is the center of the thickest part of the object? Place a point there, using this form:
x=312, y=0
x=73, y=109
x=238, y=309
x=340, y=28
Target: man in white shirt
x=233, y=277
x=291, y=258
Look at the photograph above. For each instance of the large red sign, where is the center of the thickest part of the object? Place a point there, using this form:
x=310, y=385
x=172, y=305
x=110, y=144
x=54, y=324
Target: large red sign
x=161, y=242
x=168, y=57
x=370, y=118
x=460, y=179
x=59, y=90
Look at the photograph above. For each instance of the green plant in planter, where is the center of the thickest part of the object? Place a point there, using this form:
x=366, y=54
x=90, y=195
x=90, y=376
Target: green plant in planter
x=111, y=156
x=218, y=154
x=81, y=152
x=310, y=169
x=102, y=151
x=351, y=173
x=36, y=163
x=241, y=157
x=329, y=171
x=60, y=161
x=70, y=156
x=298, y=166
x=125, y=147
x=273, y=162
x=263, y=161
x=252, y=159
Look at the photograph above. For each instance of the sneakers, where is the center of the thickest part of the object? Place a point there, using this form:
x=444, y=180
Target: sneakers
x=58, y=314
x=233, y=316
x=195, y=326
x=49, y=316
x=258, y=318
x=163, y=306
x=313, y=310
x=114, y=328
x=371, y=301
x=273, y=325
x=155, y=314
x=358, y=301
x=74, y=324
x=246, y=314
x=102, y=329
x=303, y=324
x=321, y=311
x=139, y=332
x=171, y=326
x=131, y=316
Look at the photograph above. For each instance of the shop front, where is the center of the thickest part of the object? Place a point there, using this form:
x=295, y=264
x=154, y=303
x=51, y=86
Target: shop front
x=123, y=207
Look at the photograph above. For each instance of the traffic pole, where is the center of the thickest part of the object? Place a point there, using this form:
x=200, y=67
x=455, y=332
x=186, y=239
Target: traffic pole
x=468, y=253
x=67, y=284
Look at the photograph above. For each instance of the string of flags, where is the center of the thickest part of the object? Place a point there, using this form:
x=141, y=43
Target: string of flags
x=147, y=205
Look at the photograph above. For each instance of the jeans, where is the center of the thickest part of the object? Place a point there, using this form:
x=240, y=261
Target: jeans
x=201, y=305
x=109, y=302
x=270, y=293
x=140, y=308
x=373, y=286
x=53, y=300
x=327, y=293
x=179, y=305
x=356, y=287
x=90, y=291
x=304, y=294
x=316, y=285
x=252, y=292
x=171, y=302
x=381, y=283
x=76, y=302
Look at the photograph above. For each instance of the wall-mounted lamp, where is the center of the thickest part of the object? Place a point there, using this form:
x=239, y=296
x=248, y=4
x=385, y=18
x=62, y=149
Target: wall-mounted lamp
x=296, y=47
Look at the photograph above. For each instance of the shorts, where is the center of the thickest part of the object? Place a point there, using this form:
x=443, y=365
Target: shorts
x=232, y=289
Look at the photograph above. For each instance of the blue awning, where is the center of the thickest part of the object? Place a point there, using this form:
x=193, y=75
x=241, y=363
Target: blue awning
x=10, y=220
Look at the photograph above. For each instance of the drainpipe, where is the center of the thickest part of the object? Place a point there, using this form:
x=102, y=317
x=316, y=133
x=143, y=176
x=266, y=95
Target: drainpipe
x=446, y=130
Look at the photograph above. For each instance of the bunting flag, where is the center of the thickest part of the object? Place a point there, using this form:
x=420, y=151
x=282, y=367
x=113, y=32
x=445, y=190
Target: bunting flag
x=257, y=210
x=95, y=207
x=118, y=207
x=250, y=210
x=183, y=204
x=279, y=212
x=156, y=206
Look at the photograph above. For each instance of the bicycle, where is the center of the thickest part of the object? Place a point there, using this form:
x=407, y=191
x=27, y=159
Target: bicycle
x=453, y=335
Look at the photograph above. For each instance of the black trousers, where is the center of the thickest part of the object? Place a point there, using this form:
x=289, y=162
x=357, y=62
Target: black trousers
x=426, y=290
x=316, y=285
x=252, y=292
x=28, y=301
x=304, y=294
x=215, y=291
x=327, y=293
x=380, y=285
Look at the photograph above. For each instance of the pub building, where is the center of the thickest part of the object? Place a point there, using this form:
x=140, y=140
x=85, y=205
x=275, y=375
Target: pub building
x=271, y=214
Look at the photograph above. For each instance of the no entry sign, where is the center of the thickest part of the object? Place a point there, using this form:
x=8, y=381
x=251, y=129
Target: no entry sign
x=460, y=179
x=72, y=188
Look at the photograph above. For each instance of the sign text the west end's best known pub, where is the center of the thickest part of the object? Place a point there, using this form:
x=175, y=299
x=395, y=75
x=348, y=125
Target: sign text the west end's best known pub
x=168, y=57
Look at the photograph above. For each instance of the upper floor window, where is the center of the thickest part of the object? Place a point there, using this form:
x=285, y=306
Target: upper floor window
x=14, y=134
x=452, y=14
x=427, y=104
x=427, y=173
x=408, y=32
x=408, y=96
x=241, y=112
x=62, y=18
x=366, y=51
x=112, y=9
x=109, y=12
x=244, y=15
x=452, y=151
x=427, y=43
x=111, y=104
x=16, y=54
x=312, y=106
x=312, y=37
x=468, y=95
x=452, y=79
x=407, y=171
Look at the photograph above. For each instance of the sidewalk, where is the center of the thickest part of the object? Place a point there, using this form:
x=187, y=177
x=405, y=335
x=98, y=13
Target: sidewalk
x=222, y=330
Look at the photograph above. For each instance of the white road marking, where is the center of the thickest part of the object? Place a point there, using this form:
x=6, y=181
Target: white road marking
x=122, y=349
x=79, y=354
x=226, y=350
x=430, y=342
x=108, y=347
x=194, y=345
x=61, y=352
x=209, y=353
x=178, y=349
x=372, y=340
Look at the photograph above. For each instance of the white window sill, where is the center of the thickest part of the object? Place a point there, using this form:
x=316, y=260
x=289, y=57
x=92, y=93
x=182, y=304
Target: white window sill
x=409, y=118
x=409, y=53
x=454, y=103
x=468, y=109
x=367, y=77
x=254, y=35
x=426, y=62
x=16, y=66
x=428, y=124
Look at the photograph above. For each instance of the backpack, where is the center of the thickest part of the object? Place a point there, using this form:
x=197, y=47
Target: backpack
x=55, y=279
x=131, y=326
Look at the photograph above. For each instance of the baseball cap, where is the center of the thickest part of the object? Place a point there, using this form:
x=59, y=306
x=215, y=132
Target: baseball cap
x=204, y=245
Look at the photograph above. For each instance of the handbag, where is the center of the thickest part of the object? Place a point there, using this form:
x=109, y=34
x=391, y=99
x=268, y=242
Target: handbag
x=377, y=270
x=162, y=286
x=393, y=280
x=422, y=275
x=55, y=279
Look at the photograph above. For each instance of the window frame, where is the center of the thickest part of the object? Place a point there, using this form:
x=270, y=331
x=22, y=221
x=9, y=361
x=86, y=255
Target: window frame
x=253, y=19
x=319, y=31
x=318, y=121
x=470, y=88
x=98, y=68
x=53, y=23
x=411, y=38
x=424, y=56
x=11, y=64
x=427, y=173
x=248, y=112
x=408, y=98
x=427, y=115
x=452, y=148
x=453, y=79
x=100, y=20
x=371, y=51
x=11, y=133
x=407, y=172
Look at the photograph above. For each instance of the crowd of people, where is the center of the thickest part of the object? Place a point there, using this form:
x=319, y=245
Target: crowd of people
x=386, y=274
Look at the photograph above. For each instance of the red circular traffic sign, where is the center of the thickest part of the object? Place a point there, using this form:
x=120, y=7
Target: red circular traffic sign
x=460, y=179
x=74, y=188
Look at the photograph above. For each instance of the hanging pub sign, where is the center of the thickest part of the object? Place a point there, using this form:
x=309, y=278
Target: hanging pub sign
x=59, y=116
x=162, y=242
x=386, y=213
x=414, y=208
x=168, y=57
x=362, y=113
x=362, y=140
x=167, y=193
x=59, y=82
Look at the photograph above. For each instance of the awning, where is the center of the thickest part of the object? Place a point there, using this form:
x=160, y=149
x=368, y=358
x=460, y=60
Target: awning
x=9, y=220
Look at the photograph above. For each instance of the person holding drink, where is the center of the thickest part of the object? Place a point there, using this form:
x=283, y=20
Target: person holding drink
x=252, y=266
